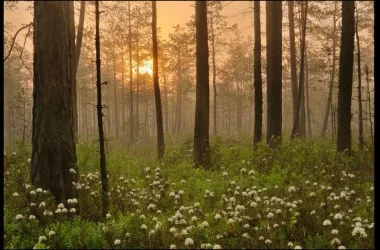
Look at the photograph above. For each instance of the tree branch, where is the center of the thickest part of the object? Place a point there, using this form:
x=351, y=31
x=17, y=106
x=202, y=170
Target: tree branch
x=14, y=39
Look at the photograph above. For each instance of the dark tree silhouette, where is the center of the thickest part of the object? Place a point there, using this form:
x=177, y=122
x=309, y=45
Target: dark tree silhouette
x=202, y=108
x=346, y=63
x=53, y=145
x=257, y=77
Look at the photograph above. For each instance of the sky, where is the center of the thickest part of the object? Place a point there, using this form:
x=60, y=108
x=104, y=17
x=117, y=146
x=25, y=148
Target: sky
x=169, y=14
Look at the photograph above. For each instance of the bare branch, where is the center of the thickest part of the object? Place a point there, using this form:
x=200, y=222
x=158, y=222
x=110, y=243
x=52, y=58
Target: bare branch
x=14, y=39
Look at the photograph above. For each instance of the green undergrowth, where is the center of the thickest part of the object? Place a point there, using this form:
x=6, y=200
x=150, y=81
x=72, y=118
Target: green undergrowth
x=300, y=194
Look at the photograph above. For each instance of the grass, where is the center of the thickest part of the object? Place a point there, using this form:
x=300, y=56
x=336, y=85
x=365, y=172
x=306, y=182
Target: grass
x=261, y=198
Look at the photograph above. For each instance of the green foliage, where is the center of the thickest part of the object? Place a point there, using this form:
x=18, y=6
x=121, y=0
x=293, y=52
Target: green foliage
x=252, y=197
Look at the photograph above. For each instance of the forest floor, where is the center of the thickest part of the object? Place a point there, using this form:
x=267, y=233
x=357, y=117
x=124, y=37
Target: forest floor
x=301, y=194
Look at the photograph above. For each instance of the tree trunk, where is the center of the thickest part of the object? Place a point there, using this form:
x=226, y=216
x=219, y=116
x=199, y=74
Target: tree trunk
x=78, y=46
x=369, y=103
x=157, y=96
x=202, y=106
x=115, y=94
x=258, y=81
x=213, y=66
x=103, y=167
x=53, y=144
x=122, y=91
x=293, y=62
x=137, y=130
x=274, y=71
x=345, y=76
x=307, y=95
x=329, y=99
x=301, y=78
x=361, y=141
x=131, y=118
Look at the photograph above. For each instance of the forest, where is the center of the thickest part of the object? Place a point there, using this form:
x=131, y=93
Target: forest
x=123, y=133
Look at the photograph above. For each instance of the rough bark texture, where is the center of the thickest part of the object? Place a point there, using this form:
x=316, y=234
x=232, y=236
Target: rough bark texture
x=257, y=78
x=274, y=71
x=213, y=66
x=297, y=123
x=202, y=108
x=346, y=63
x=157, y=95
x=329, y=99
x=103, y=168
x=53, y=145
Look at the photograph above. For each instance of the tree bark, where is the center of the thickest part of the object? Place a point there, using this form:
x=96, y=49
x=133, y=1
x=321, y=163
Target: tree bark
x=115, y=93
x=301, y=78
x=131, y=118
x=307, y=95
x=369, y=103
x=361, y=140
x=53, y=144
x=160, y=128
x=213, y=67
x=99, y=106
x=345, y=76
x=274, y=72
x=258, y=81
x=202, y=106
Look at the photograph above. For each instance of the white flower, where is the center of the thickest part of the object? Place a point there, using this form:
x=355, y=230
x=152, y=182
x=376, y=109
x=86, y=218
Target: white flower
x=358, y=230
x=189, y=241
x=181, y=192
x=291, y=189
x=72, y=210
x=41, y=238
x=19, y=217
x=172, y=246
x=342, y=247
x=216, y=246
x=143, y=227
x=218, y=216
x=297, y=247
x=246, y=226
x=32, y=192
x=267, y=241
x=270, y=215
x=290, y=244
x=51, y=233
x=334, y=232
x=108, y=215
x=117, y=242
x=261, y=237
x=253, y=204
x=205, y=224
x=64, y=210
x=32, y=217
x=335, y=241
x=312, y=212
x=337, y=216
x=245, y=235
x=15, y=194
x=327, y=223
x=60, y=205
x=312, y=194
x=275, y=225
x=74, y=201
x=127, y=235
x=225, y=173
x=58, y=211
x=172, y=230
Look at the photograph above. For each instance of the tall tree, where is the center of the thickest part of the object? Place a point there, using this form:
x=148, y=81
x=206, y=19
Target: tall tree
x=361, y=141
x=293, y=62
x=99, y=106
x=302, y=72
x=53, y=145
x=257, y=78
x=274, y=71
x=131, y=117
x=346, y=62
x=78, y=46
x=202, y=106
x=157, y=96
x=329, y=99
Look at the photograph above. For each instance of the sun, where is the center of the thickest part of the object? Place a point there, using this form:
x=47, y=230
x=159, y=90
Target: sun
x=146, y=68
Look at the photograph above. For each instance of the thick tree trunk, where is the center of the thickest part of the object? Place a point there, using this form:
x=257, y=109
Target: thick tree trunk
x=346, y=62
x=131, y=118
x=137, y=126
x=202, y=106
x=103, y=167
x=307, y=95
x=157, y=96
x=369, y=103
x=257, y=80
x=274, y=72
x=213, y=68
x=329, y=99
x=115, y=94
x=53, y=144
x=361, y=140
x=297, y=124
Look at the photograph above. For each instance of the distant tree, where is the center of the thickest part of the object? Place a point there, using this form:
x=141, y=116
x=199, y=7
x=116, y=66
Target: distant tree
x=257, y=80
x=346, y=62
x=157, y=95
x=274, y=71
x=131, y=115
x=202, y=108
x=99, y=106
x=53, y=145
x=360, y=119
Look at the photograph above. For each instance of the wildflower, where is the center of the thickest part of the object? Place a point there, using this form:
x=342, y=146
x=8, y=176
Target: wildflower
x=127, y=235
x=278, y=211
x=275, y=225
x=19, y=217
x=224, y=173
x=261, y=237
x=327, y=223
x=51, y=233
x=216, y=246
x=253, y=204
x=41, y=238
x=231, y=221
x=267, y=241
x=218, y=216
x=246, y=235
x=32, y=217
x=337, y=216
x=312, y=194
x=246, y=226
x=117, y=242
x=291, y=189
x=13, y=153
x=334, y=232
x=72, y=210
x=143, y=227
x=270, y=215
x=58, y=211
x=290, y=244
x=108, y=215
x=172, y=246
x=15, y=194
x=60, y=205
x=64, y=210
x=32, y=192
x=71, y=170
x=342, y=247
x=312, y=212
x=172, y=230
x=189, y=241
x=297, y=247
x=194, y=218
x=335, y=241
x=358, y=230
